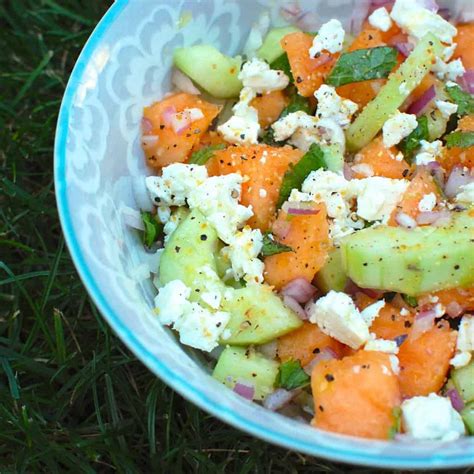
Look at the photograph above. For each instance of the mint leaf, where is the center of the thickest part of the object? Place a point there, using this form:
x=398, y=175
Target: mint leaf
x=297, y=103
x=464, y=100
x=153, y=229
x=312, y=160
x=268, y=137
x=291, y=375
x=460, y=139
x=272, y=247
x=202, y=156
x=410, y=144
x=363, y=65
x=397, y=423
x=410, y=300
x=283, y=64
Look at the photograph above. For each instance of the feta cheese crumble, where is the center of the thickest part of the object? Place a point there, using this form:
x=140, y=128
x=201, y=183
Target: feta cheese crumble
x=330, y=38
x=381, y=345
x=372, y=311
x=431, y=418
x=380, y=19
x=446, y=108
x=337, y=316
x=427, y=202
x=257, y=75
x=397, y=127
x=332, y=106
x=466, y=193
x=451, y=70
x=428, y=152
x=171, y=301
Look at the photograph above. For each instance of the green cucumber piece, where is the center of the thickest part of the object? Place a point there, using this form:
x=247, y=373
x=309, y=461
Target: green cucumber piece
x=271, y=48
x=467, y=415
x=332, y=276
x=193, y=247
x=412, y=261
x=463, y=379
x=210, y=69
x=399, y=86
x=258, y=316
x=246, y=366
x=334, y=157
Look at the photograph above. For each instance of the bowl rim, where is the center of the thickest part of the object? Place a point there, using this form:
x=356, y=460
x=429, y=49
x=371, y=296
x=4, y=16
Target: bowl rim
x=166, y=374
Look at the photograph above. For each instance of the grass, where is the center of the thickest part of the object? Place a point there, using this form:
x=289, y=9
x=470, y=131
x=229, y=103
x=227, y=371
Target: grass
x=72, y=397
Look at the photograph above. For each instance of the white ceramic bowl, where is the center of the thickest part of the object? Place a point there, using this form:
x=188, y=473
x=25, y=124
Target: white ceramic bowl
x=124, y=66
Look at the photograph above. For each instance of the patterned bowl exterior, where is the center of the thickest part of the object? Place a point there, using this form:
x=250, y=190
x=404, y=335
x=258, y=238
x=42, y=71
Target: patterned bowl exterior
x=124, y=66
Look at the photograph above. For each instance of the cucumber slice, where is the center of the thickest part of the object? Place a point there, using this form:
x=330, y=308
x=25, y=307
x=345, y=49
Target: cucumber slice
x=467, y=414
x=332, y=276
x=271, y=48
x=246, y=366
x=210, y=69
x=194, y=246
x=463, y=379
x=392, y=95
x=412, y=261
x=258, y=316
x=334, y=157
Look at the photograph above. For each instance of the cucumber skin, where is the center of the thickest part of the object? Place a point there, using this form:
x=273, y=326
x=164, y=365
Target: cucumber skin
x=240, y=365
x=210, y=69
x=332, y=276
x=270, y=318
x=463, y=379
x=412, y=261
x=366, y=126
x=271, y=48
x=467, y=414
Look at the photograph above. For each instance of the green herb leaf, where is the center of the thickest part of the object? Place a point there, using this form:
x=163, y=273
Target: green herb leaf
x=410, y=144
x=283, y=64
x=464, y=100
x=297, y=103
x=272, y=247
x=312, y=160
x=460, y=139
x=363, y=65
x=153, y=229
x=410, y=300
x=268, y=137
x=202, y=156
x=291, y=375
x=397, y=423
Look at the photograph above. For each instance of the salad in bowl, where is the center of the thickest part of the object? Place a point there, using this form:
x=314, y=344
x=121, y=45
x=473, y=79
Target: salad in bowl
x=312, y=207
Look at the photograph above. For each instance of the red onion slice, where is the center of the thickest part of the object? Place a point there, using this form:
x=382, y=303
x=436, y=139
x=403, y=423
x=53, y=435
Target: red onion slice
x=300, y=290
x=424, y=321
x=244, y=390
x=168, y=114
x=456, y=400
x=348, y=172
x=404, y=220
x=420, y=104
x=432, y=217
x=295, y=306
x=325, y=354
x=454, y=309
x=278, y=399
x=458, y=177
x=430, y=5
x=468, y=81
x=299, y=208
x=147, y=126
x=404, y=48
x=445, y=13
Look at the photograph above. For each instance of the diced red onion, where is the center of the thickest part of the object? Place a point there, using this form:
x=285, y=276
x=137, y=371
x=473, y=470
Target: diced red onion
x=424, y=321
x=348, y=173
x=278, y=399
x=269, y=349
x=281, y=228
x=244, y=390
x=352, y=289
x=132, y=218
x=468, y=81
x=299, y=208
x=458, y=177
x=141, y=195
x=404, y=48
x=302, y=212
x=299, y=289
x=443, y=219
x=400, y=339
x=454, y=309
x=147, y=126
x=431, y=217
x=380, y=3
x=309, y=306
x=180, y=122
x=445, y=13
x=456, y=400
x=420, y=104
x=430, y=5
x=404, y=220
x=183, y=82
x=168, y=114
x=437, y=171
x=325, y=354
x=295, y=306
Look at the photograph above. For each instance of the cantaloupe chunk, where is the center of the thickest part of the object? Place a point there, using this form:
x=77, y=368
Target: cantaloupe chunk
x=464, y=41
x=163, y=145
x=269, y=107
x=463, y=297
x=305, y=343
x=457, y=156
x=308, y=236
x=356, y=395
x=309, y=73
x=382, y=161
x=424, y=360
x=265, y=167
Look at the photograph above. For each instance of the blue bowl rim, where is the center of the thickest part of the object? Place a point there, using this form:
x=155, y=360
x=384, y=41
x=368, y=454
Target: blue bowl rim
x=165, y=372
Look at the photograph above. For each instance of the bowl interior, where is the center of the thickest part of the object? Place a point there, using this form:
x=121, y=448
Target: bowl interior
x=124, y=66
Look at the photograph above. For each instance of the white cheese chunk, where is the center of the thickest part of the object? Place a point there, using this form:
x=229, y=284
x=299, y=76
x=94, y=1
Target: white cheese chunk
x=397, y=127
x=332, y=106
x=257, y=75
x=448, y=71
x=429, y=151
x=336, y=315
x=427, y=202
x=381, y=345
x=446, y=108
x=330, y=38
x=431, y=418
x=465, y=340
x=460, y=359
x=380, y=19
x=372, y=311
x=172, y=302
